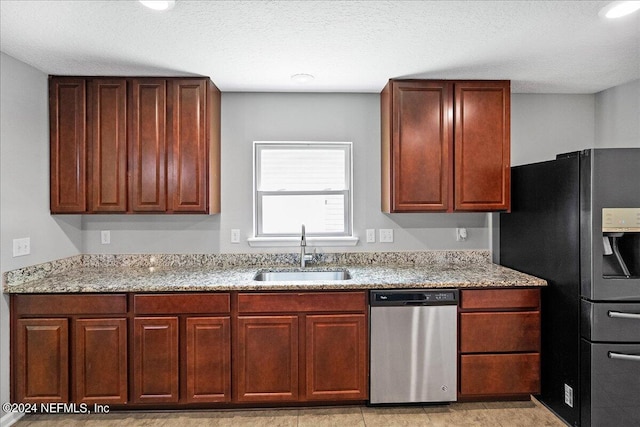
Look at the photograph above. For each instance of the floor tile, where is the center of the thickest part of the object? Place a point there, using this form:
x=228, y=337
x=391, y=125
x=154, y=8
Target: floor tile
x=526, y=417
x=477, y=414
x=463, y=418
x=249, y=418
x=331, y=417
x=395, y=416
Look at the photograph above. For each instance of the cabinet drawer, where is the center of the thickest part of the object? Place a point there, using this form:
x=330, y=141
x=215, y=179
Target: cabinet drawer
x=181, y=303
x=499, y=299
x=302, y=302
x=494, y=374
x=500, y=332
x=51, y=304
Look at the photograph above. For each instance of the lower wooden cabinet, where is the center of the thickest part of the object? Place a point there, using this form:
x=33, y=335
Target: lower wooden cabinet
x=500, y=374
x=41, y=360
x=181, y=354
x=499, y=343
x=98, y=368
x=315, y=350
x=69, y=348
x=155, y=360
x=100, y=361
x=336, y=357
x=208, y=359
x=266, y=358
x=301, y=347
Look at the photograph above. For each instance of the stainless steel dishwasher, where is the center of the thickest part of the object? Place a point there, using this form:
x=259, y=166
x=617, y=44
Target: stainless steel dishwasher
x=413, y=346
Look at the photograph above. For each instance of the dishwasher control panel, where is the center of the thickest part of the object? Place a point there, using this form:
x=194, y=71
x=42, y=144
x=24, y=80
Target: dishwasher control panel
x=414, y=297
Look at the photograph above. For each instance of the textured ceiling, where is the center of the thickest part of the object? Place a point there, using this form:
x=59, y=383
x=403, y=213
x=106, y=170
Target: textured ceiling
x=349, y=46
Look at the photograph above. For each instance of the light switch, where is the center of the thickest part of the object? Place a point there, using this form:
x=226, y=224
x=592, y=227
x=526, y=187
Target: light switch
x=235, y=235
x=105, y=237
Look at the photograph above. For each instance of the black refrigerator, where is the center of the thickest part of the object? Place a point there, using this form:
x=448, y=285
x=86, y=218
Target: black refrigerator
x=575, y=221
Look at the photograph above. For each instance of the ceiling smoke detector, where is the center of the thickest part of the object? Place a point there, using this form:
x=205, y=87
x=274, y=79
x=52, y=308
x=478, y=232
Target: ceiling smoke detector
x=159, y=4
x=618, y=9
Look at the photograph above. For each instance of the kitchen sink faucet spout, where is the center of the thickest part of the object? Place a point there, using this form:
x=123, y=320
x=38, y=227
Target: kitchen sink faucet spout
x=304, y=257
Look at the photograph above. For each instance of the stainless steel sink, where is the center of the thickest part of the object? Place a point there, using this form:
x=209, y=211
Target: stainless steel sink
x=291, y=276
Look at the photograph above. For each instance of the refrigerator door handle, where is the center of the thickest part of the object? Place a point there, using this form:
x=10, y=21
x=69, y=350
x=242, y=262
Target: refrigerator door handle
x=622, y=356
x=622, y=315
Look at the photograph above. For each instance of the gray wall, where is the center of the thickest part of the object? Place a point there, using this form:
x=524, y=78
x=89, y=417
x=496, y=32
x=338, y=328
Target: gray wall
x=617, y=118
x=247, y=117
x=24, y=189
x=543, y=125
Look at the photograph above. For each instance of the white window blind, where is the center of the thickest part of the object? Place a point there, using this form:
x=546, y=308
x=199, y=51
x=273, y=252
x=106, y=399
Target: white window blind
x=302, y=183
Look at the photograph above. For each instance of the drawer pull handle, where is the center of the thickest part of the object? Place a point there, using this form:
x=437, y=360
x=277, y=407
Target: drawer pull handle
x=622, y=356
x=621, y=315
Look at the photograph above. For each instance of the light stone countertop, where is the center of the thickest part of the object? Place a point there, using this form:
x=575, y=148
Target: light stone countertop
x=109, y=274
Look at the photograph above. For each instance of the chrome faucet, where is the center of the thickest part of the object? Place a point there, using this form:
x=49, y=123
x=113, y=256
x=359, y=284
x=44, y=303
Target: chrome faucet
x=304, y=256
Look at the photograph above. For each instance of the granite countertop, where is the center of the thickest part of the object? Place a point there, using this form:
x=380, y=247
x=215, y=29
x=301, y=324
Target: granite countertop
x=179, y=273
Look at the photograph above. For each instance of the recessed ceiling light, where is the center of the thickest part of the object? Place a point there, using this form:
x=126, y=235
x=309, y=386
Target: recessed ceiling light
x=302, y=78
x=159, y=4
x=618, y=9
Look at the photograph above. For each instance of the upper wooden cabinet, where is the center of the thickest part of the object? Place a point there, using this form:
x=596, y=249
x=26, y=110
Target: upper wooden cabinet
x=445, y=146
x=107, y=147
x=148, y=145
x=188, y=155
x=134, y=145
x=68, y=136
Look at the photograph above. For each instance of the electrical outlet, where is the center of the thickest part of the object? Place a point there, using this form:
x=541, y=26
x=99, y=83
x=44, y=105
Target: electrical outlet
x=105, y=237
x=371, y=235
x=235, y=235
x=568, y=395
x=21, y=247
x=386, y=235
x=461, y=234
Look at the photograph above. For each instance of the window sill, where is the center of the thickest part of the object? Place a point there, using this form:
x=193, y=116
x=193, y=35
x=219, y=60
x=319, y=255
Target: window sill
x=264, y=242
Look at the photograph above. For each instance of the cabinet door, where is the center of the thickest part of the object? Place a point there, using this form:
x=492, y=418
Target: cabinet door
x=499, y=374
x=148, y=145
x=421, y=148
x=42, y=360
x=482, y=146
x=336, y=357
x=266, y=358
x=208, y=359
x=108, y=145
x=100, y=361
x=500, y=332
x=188, y=145
x=68, y=145
x=155, y=359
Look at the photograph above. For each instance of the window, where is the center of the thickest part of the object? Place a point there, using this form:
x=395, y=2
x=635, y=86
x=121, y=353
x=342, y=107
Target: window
x=302, y=183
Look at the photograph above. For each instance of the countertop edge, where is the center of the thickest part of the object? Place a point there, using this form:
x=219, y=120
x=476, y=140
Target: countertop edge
x=164, y=280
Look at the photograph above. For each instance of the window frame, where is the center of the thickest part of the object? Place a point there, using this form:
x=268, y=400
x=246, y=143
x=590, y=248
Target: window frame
x=345, y=237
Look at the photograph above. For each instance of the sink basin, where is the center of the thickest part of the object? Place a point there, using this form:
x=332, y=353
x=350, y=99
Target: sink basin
x=284, y=276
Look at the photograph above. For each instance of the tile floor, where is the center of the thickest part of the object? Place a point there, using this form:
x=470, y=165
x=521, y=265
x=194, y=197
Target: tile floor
x=489, y=414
